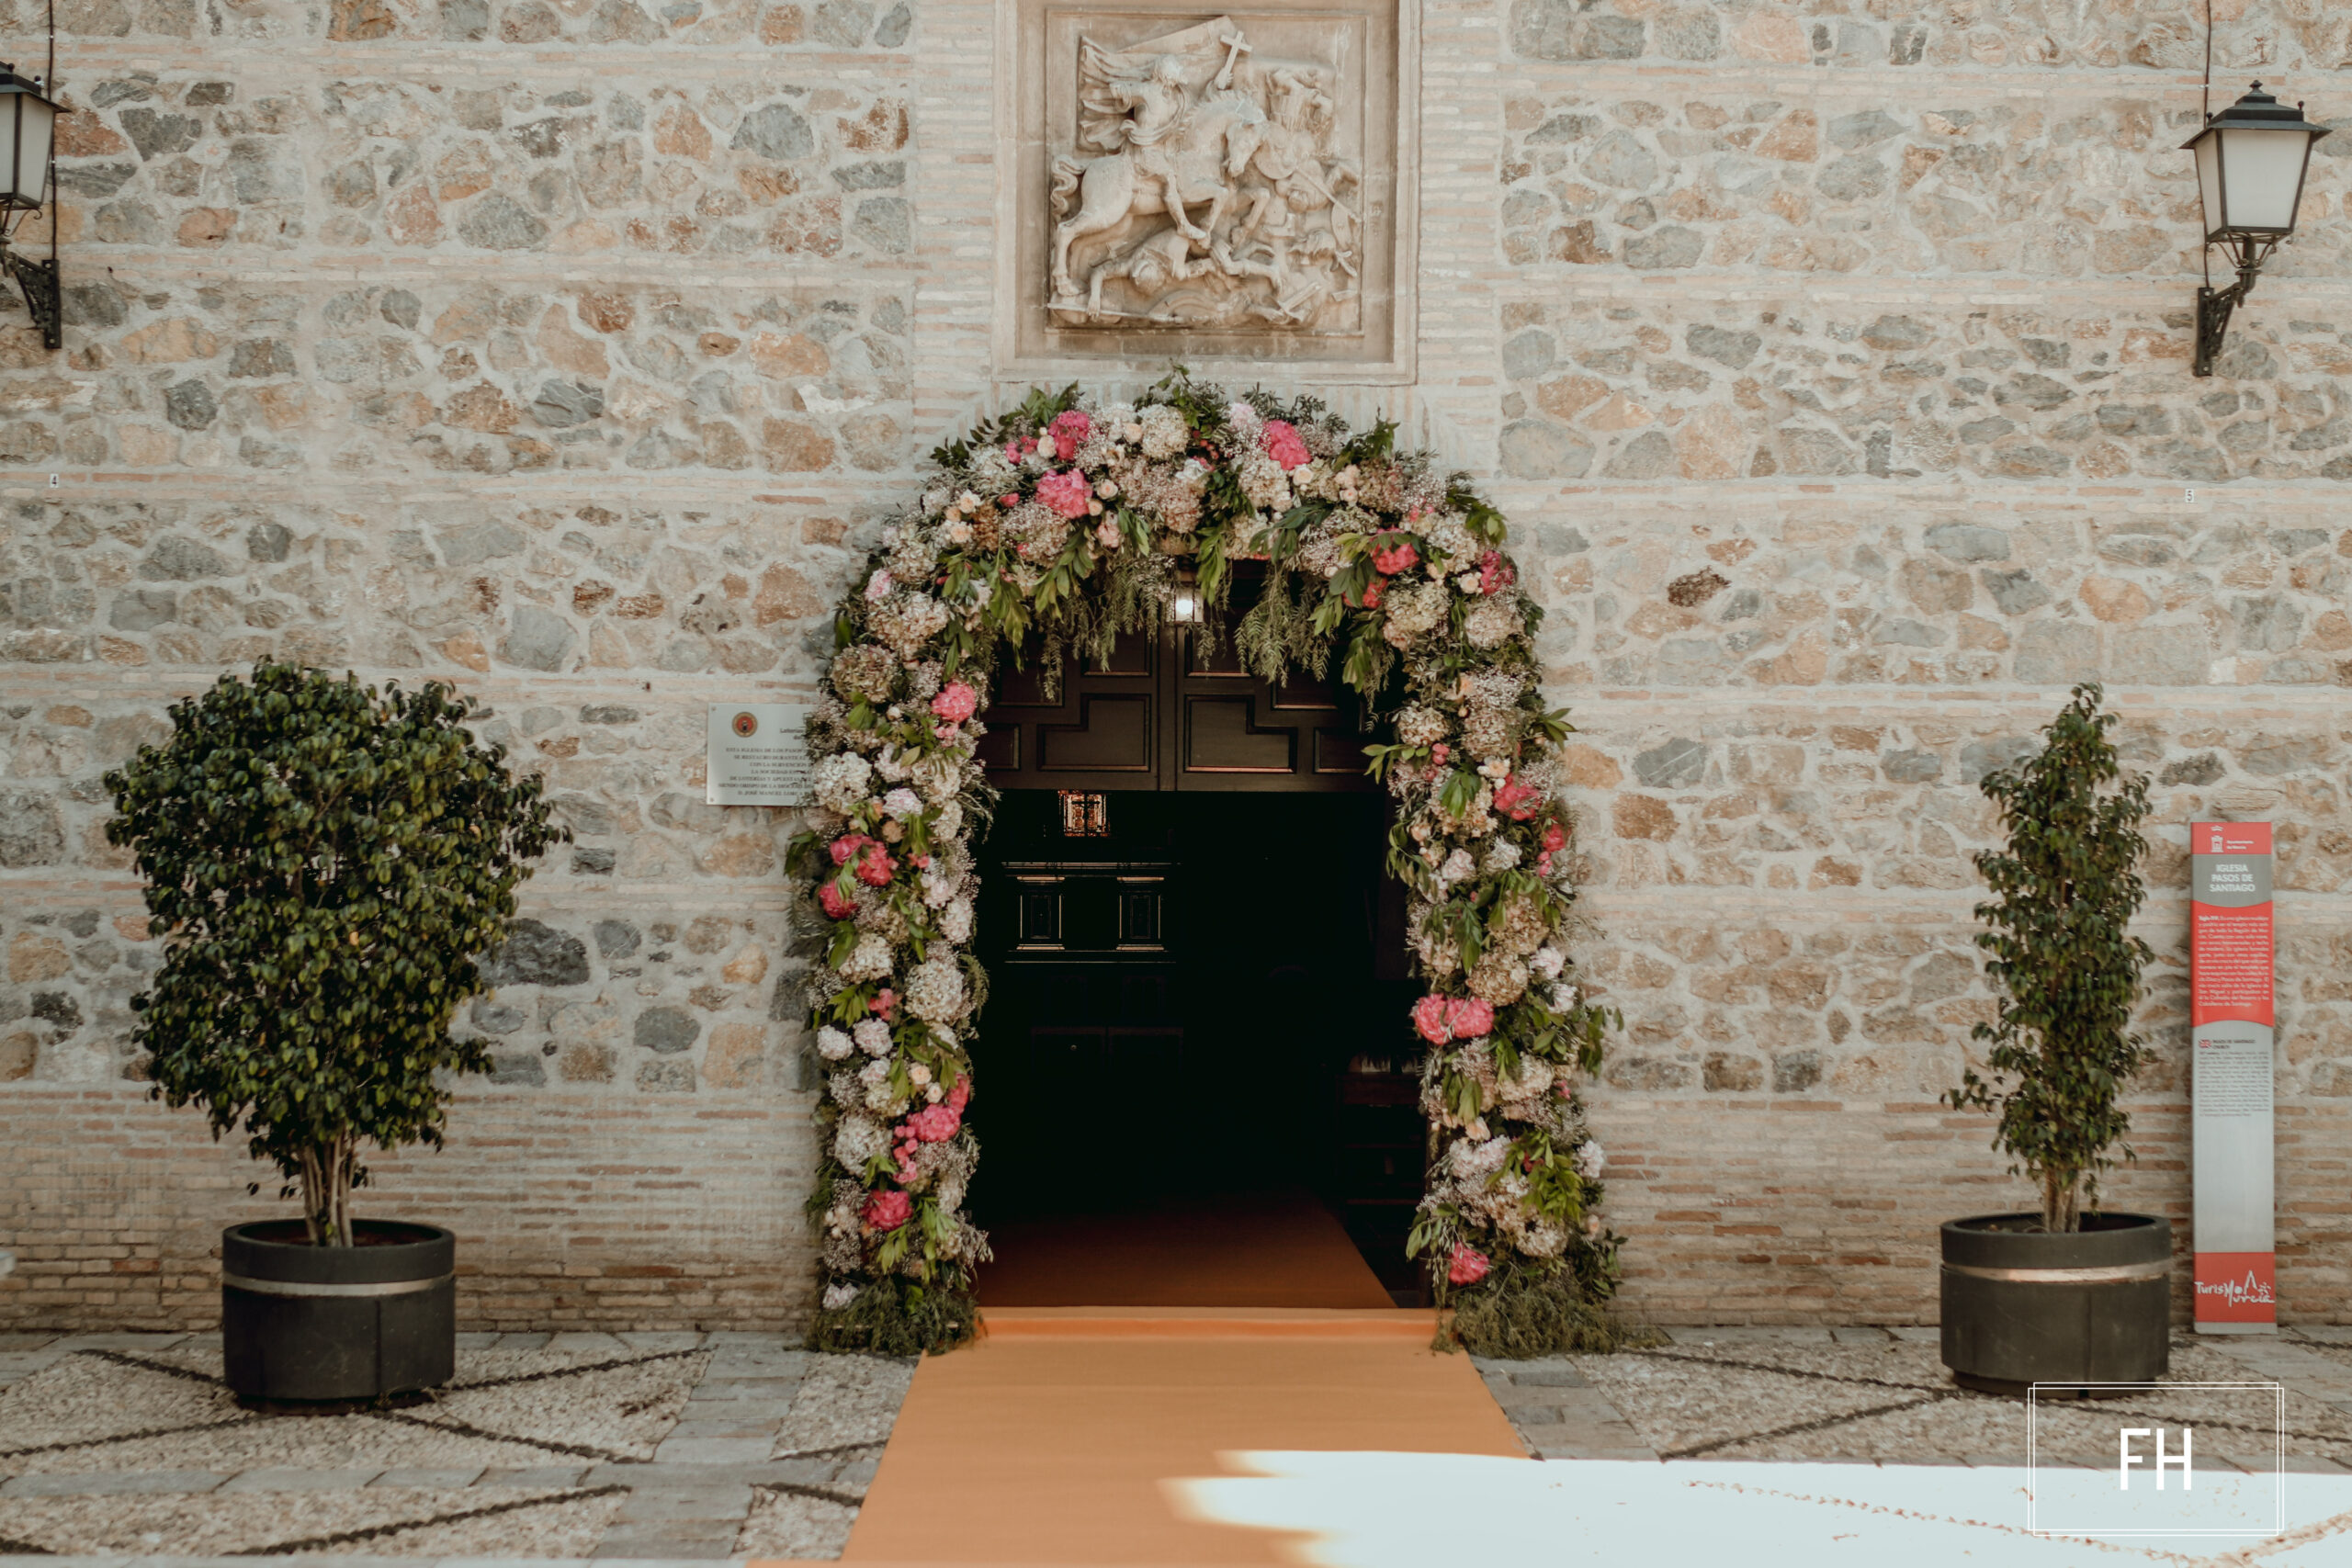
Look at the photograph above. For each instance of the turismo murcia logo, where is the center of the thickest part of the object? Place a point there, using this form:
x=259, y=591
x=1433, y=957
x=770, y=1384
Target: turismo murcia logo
x=2248, y=1291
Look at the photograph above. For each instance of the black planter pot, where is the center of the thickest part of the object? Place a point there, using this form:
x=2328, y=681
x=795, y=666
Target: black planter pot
x=303, y=1324
x=2025, y=1306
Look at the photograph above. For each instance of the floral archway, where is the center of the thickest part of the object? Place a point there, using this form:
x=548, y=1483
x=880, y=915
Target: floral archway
x=1063, y=525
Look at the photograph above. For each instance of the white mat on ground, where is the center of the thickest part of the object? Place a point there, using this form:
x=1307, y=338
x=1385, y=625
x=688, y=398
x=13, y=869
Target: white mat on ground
x=1397, y=1510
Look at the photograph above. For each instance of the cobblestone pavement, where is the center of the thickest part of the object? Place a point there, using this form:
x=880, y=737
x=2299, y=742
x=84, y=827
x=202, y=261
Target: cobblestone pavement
x=640, y=1445
x=1882, y=1396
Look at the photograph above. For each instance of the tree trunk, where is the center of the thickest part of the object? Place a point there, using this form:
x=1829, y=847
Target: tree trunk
x=2061, y=1201
x=326, y=1190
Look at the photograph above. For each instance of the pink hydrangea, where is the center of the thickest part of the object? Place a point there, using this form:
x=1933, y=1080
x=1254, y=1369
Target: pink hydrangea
x=960, y=1096
x=1067, y=492
x=1395, y=558
x=1428, y=1021
x=1555, y=838
x=1516, y=800
x=934, y=1123
x=1468, y=1017
x=847, y=845
x=837, y=905
x=887, y=1209
x=1467, y=1265
x=1372, y=592
x=956, y=703
x=1018, y=449
x=1494, y=572
x=1281, y=442
x=1069, y=432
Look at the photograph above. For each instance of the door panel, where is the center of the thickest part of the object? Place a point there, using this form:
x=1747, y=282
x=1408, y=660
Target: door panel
x=1173, y=709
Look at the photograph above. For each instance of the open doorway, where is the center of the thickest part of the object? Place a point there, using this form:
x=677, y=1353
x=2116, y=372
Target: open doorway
x=1198, y=1072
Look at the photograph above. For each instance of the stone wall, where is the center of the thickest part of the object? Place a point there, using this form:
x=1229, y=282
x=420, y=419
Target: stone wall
x=1832, y=358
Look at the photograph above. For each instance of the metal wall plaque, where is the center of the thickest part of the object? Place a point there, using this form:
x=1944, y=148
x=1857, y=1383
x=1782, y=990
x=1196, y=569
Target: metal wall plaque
x=758, y=754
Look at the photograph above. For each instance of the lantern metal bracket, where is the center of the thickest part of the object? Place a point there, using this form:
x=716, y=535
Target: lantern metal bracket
x=2215, y=306
x=37, y=280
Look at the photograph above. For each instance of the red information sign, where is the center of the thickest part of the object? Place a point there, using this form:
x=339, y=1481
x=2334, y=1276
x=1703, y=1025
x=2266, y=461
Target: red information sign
x=2232, y=1033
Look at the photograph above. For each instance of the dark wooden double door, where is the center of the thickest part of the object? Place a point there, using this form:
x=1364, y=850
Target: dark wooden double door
x=1172, y=709
x=1175, y=1001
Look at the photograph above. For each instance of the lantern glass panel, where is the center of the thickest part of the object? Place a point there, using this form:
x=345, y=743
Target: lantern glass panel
x=2261, y=177
x=2209, y=183
x=26, y=123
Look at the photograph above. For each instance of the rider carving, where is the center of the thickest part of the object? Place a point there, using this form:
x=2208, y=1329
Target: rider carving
x=1196, y=170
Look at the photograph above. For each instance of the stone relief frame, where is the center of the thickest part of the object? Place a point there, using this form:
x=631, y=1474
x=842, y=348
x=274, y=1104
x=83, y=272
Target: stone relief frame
x=1337, y=85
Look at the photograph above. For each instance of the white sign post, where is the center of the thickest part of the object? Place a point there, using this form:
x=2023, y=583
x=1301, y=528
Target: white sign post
x=758, y=756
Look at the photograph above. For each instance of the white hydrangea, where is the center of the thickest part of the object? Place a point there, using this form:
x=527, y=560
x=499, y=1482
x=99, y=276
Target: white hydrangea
x=1547, y=963
x=872, y=1036
x=939, y=776
x=955, y=922
x=938, y=885
x=1263, y=481
x=1458, y=866
x=833, y=1045
x=948, y=823
x=859, y=1139
x=1245, y=421
x=840, y=783
x=890, y=765
x=1591, y=1160
x=991, y=475
x=869, y=961
x=1502, y=855
x=935, y=990
x=903, y=804
x=1165, y=433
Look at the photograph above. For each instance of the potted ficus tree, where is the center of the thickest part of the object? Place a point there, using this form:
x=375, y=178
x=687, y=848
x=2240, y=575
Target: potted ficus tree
x=2066, y=1292
x=323, y=863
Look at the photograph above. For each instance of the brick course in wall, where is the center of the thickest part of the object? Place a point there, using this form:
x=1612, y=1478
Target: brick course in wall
x=1831, y=359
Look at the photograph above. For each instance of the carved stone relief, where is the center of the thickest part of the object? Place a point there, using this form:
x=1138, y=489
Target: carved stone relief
x=1206, y=186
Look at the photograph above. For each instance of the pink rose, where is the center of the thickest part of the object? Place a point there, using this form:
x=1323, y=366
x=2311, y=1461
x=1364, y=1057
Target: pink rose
x=1067, y=492
x=1555, y=838
x=1069, y=432
x=1467, y=1017
x=1467, y=1265
x=1428, y=1021
x=1281, y=442
x=1495, y=572
x=1516, y=800
x=961, y=1095
x=956, y=703
x=847, y=845
x=1399, y=557
x=836, y=904
x=875, y=866
x=885, y=1001
x=1372, y=592
x=887, y=1211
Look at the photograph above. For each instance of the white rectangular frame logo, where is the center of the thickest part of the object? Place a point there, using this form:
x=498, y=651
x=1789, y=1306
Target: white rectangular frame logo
x=2033, y=1469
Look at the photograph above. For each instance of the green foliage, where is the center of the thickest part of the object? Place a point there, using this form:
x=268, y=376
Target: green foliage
x=2065, y=889
x=323, y=862
x=1518, y=1313
x=898, y=1317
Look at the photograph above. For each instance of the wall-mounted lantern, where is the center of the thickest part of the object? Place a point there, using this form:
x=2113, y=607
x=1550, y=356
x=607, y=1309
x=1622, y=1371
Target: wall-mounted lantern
x=27, y=175
x=1184, y=607
x=2250, y=163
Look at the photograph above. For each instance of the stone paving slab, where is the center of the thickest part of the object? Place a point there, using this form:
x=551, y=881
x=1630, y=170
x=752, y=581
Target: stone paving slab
x=738, y=1422
x=1881, y=1396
